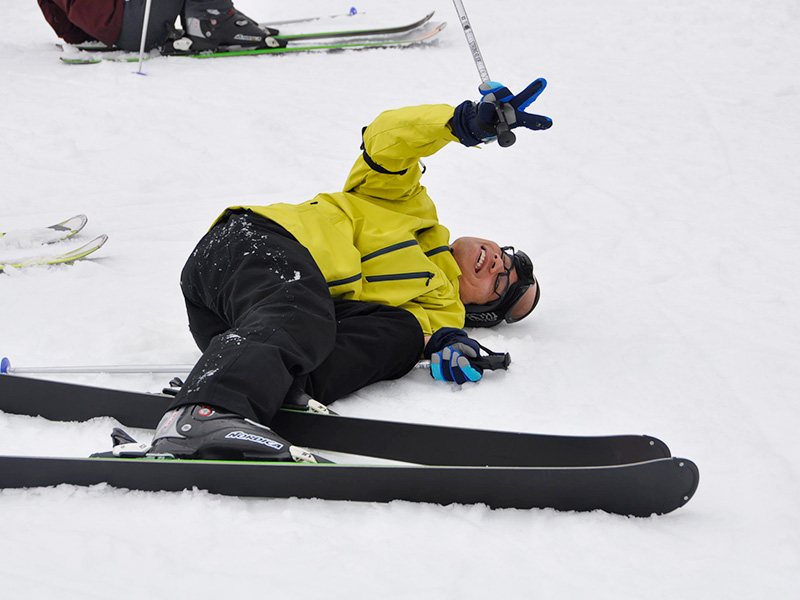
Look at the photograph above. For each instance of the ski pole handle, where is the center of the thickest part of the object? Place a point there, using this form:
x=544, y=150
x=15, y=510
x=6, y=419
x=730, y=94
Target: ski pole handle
x=493, y=362
x=7, y=369
x=505, y=137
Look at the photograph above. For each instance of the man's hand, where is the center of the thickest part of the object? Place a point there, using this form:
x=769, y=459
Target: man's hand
x=473, y=124
x=450, y=351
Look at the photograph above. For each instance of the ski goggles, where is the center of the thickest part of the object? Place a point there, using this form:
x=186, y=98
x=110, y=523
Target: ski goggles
x=515, y=300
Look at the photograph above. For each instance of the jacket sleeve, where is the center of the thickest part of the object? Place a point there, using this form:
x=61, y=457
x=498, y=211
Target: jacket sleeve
x=388, y=167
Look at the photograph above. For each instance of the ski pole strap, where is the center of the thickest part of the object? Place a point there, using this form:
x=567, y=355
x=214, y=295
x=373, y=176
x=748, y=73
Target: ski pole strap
x=493, y=361
x=372, y=164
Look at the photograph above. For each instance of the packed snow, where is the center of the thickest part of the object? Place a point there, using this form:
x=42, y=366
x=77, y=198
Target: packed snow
x=661, y=212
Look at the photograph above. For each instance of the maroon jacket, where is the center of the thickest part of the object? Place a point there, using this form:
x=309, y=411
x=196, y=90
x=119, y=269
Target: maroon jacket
x=77, y=21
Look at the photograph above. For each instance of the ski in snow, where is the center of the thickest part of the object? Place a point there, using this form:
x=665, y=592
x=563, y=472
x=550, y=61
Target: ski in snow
x=405, y=35
x=629, y=474
x=407, y=442
x=338, y=33
x=57, y=258
x=350, y=13
x=639, y=489
x=22, y=238
x=32, y=247
x=358, y=33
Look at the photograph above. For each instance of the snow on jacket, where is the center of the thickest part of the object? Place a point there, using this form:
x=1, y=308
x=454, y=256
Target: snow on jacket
x=76, y=21
x=380, y=240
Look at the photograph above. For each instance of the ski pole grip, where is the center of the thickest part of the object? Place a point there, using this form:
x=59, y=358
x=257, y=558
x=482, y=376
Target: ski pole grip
x=505, y=137
x=493, y=362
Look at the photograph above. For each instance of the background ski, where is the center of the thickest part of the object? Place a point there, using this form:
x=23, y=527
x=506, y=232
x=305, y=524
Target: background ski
x=641, y=489
x=55, y=258
x=350, y=13
x=47, y=235
x=290, y=37
x=413, y=38
x=384, y=42
x=355, y=33
x=407, y=442
x=100, y=47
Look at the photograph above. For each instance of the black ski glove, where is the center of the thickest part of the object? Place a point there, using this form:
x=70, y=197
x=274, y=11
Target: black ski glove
x=473, y=124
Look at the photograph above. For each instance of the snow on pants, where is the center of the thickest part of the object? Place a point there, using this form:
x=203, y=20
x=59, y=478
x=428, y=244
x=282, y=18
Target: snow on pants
x=260, y=310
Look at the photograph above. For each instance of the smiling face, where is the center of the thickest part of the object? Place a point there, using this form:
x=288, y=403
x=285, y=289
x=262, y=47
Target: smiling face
x=480, y=261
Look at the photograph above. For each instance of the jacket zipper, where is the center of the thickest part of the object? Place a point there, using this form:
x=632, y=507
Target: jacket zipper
x=402, y=276
x=388, y=249
x=427, y=275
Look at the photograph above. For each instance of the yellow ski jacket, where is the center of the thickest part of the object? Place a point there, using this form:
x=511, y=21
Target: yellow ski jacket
x=380, y=240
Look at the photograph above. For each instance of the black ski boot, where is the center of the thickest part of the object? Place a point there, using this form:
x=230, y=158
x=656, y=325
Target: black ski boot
x=203, y=433
x=215, y=30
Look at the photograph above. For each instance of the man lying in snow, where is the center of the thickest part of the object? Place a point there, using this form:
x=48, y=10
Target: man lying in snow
x=344, y=290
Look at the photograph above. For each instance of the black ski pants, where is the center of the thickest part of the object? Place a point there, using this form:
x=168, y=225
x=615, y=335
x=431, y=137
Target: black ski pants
x=161, y=20
x=260, y=310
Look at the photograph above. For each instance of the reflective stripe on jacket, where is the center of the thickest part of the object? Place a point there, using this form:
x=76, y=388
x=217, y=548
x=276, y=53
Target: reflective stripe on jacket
x=379, y=240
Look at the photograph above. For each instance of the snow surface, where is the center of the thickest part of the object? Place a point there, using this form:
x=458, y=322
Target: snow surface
x=661, y=212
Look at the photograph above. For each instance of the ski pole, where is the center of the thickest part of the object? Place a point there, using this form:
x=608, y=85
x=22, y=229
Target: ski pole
x=6, y=368
x=492, y=362
x=505, y=137
x=145, y=23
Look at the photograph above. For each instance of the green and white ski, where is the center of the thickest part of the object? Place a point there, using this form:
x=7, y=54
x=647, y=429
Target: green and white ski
x=43, y=235
x=312, y=43
x=55, y=258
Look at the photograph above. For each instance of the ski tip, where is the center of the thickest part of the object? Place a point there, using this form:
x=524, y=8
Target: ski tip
x=692, y=476
x=96, y=242
x=658, y=446
x=5, y=365
x=76, y=223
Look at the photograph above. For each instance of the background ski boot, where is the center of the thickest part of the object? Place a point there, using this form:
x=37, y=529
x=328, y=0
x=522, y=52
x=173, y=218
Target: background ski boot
x=220, y=31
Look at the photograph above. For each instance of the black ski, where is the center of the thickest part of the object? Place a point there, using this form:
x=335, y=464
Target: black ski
x=640, y=489
x=407, y=442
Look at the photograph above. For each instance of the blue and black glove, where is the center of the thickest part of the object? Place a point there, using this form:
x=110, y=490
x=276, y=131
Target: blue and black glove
x=452, y=353
x=473, y=124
